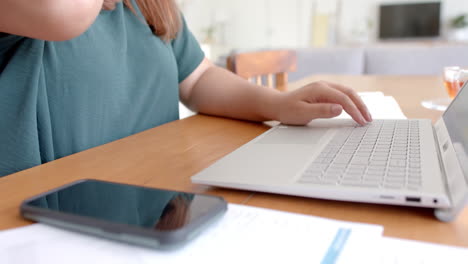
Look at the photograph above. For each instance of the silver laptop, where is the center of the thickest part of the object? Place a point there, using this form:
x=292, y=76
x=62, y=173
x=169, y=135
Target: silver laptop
x=403, y=162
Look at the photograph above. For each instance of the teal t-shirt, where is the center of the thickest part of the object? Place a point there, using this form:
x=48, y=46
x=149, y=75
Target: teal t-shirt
x=116, y=79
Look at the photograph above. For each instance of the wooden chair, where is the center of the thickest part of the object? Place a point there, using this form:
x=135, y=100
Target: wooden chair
x=261, y=65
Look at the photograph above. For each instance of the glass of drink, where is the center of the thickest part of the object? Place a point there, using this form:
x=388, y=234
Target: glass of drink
x=454, y=78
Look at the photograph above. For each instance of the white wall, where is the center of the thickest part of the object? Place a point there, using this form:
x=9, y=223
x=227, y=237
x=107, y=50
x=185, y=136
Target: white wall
x=253, y=24
x=355, y=13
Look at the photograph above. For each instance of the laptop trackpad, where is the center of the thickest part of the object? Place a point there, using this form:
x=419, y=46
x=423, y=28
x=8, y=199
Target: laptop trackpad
x=293, y=135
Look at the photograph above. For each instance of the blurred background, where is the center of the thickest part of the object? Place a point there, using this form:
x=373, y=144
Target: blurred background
x=225, y=25
x=338, y=37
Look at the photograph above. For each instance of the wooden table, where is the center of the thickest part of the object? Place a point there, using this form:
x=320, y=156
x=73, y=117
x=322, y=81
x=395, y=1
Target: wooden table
x=168, y=155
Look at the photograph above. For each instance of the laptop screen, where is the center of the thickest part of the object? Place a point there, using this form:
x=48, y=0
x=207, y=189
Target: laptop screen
x=456, y=121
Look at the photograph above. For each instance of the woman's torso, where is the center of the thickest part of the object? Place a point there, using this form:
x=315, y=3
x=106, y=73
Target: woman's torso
x=58, y=98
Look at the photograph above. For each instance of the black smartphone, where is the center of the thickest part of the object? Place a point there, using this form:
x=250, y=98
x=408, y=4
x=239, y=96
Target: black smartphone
x=143, y=216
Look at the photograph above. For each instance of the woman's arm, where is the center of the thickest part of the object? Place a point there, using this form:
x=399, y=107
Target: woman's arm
x=48, y=19
x=215, y=91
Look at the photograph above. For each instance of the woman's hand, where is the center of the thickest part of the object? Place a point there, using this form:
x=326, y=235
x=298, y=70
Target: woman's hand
x=215, y=91
x=53, y=20
x=319, y=100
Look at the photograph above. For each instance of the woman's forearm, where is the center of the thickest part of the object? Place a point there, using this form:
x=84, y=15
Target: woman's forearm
x=220, y=92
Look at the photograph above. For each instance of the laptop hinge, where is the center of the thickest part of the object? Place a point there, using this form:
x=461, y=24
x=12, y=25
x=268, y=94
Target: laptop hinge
x=455, y=182
x=441, y=162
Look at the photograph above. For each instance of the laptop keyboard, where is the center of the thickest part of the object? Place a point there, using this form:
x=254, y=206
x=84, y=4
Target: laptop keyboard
x=382, y=154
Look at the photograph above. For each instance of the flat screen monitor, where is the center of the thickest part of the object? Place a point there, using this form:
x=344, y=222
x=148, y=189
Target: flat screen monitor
x=416, y=20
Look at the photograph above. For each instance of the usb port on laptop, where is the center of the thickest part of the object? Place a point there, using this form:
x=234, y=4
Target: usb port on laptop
x=413, y=199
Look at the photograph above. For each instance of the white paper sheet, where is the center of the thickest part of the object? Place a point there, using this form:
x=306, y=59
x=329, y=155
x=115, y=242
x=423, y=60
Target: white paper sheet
x=380, y=106
x=243, y=235
x=400, y=251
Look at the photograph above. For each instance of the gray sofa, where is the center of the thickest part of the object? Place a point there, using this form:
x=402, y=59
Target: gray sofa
x=383, y=60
